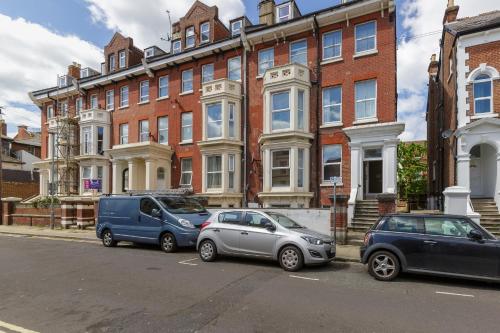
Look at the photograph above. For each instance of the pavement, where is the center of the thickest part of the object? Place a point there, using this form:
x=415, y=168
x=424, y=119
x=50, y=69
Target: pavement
x=54, y=285
x=346, y=253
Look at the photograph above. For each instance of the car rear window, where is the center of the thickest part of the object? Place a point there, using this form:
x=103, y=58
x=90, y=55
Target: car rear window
x=408, y=224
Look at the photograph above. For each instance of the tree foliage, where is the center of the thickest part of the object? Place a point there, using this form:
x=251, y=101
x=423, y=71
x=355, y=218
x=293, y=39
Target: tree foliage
x=412, y=169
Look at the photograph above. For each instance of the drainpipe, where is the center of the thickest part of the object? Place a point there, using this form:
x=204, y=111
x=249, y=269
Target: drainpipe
x=246, y=47
x=318, y=124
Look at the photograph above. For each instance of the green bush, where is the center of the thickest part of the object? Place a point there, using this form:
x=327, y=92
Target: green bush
x=44, y=202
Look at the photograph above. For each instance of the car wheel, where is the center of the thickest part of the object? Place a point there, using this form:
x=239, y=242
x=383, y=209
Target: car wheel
x=208, y=250
x=107, y=239
x=384, y=266
x=168, y=243
x=291, y=259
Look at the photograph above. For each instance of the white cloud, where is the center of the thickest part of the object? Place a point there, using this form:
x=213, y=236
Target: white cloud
x=420, y=17
x=147, y=21
x=31, y=58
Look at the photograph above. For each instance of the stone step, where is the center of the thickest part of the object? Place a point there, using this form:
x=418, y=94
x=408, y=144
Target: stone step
x=361, y=229
x=487, y=210
x=355, y=242
x=364, y=220
x=352, y=234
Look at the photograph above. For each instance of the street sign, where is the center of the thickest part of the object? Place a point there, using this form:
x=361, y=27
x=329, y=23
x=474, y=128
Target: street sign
x=336, y=180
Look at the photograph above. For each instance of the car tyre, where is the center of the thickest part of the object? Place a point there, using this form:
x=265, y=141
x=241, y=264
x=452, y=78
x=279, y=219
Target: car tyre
x=291, y=259
x=207, y=250
x=384, y=266
x=168, y=243
x=107, y=239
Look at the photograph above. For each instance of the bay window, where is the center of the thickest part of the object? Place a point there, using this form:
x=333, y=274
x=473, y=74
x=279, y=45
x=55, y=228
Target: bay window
x=266, y=60
x=366, y=37
x=214, y=120
x=100, y=140
x=332, y=161
x=230, y=170
x=300, y=167
x=214, y=172
x=232, y=108
x=332, y=105
x=280, y=168
x=87, y=140
x=280, y=110
x=300, y=109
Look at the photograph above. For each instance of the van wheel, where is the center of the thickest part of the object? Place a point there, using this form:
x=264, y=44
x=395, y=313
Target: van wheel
x=384, y=266
x=107, y=239
x=291, y=259
x=208, y=251
x=168, y=243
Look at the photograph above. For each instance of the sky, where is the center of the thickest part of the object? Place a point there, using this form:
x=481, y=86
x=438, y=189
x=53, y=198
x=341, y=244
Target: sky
x=41, y=38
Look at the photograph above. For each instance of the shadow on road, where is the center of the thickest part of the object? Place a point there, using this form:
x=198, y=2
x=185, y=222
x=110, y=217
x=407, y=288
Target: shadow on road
x=448, y=282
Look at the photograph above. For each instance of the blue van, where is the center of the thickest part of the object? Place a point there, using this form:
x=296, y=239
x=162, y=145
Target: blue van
x=169, y=220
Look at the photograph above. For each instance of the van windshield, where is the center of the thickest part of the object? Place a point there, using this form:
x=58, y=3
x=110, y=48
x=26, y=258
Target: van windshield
x=181, y=205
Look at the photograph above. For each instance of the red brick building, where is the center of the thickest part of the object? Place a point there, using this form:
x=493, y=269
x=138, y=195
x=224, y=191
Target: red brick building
x=244, y=114
x=463, y=110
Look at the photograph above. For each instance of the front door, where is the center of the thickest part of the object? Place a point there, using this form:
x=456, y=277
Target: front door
x=256, y=239
x=476, y=179
x=450, y=250
x=372, y=178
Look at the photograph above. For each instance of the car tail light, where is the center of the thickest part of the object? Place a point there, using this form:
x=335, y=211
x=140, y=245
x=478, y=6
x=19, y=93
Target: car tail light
x=368, y=235
x=205, y=224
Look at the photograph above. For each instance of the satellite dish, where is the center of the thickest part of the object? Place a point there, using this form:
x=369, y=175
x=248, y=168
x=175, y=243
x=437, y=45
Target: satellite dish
x=447, y=134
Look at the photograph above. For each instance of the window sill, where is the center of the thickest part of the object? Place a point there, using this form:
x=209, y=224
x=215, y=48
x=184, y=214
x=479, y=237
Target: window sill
x=143, y=103
x=484, y=115
x=365, y=121
x=332, y=125
x=331, y=61
x=365, y=53
x=259, y=77
x=123, y=107
x=187, y=142
x=162, y=98
x=330, y=185
x=110, y=110
x=186, y=93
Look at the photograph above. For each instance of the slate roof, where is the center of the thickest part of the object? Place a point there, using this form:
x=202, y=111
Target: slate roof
x=483, y=21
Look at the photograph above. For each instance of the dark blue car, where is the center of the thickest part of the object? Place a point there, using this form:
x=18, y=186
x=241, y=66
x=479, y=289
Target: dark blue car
x=443, y=245
x=170, y=221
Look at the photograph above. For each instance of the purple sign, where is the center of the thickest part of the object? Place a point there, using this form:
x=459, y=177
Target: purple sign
x=92, y=184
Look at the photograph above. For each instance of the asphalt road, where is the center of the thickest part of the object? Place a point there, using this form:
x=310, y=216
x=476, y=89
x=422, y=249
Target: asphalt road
x=49, y=285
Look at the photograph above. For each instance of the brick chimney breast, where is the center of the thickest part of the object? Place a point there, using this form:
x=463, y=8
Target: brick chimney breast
x=266, y=12
x=74, y=70
x=451, y=12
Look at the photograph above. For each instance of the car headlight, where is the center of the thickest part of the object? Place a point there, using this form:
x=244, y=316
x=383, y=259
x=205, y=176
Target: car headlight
x=186, y=223
x=313, y=240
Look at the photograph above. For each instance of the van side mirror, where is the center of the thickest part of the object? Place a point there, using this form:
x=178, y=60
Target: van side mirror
x=268, y=225
x=475, y=235
x=156, y=213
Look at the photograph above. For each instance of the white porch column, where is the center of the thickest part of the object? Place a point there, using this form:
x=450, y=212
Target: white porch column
x=43, y=183
x=356, y=168
x=463, y=171
x=150, y=174
x=117, y=177
x=389, y=166
x=132, y=177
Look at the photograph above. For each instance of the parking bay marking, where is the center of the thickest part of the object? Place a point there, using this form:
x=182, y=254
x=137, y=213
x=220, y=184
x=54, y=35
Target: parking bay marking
x=303, y=278
x=186, y=262
x=454, y=294
x=15, y=328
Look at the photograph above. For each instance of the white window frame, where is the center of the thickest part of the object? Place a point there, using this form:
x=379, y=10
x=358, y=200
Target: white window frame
x=490, y=80
x=204, y=77
x=236, y=32
x=100, y=142
x=63, y=108
x=231, y=166
x=205, y=25
x=166, y=86
x=218, y=122
x=289, y=167
x=123, y=136
x=231, y=120
x=187, y=172
x=86, y=177
x=216, y=172
x=284, y=18
x=333, y=45
x=184, y=127
x=190, y=36
x=372, y=36
x=94, y=102
x=176, y=46
x=79, y=105
x=50, y=111
x=163, y=130
x=356, y=101
x=143, y=132
x=110, y=99
x=144, y=97
x=87, y=140
x=185, y=81
x=301, y=109
x=122, y=59
x=299, y=53
x=300, y=167
x=112, y=62
x=124, y=93
x=260, y=63
x=326, y=106
x=323, y=164
x=289, y=91
x=234, y=70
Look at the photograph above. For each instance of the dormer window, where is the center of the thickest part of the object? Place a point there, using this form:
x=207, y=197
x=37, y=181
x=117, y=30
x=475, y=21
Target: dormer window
x=236, y=28
x=205, y=32
x=84, y=73
x=111, y=62
x=63, y=81
x=176, y=46
x=149, y=53
x=121, y=56
x=283, y=12
x=190, y=38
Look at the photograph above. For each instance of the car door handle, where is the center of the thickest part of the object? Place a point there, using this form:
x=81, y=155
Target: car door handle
x=430, y=242
x=216, y=230
x=244, y=233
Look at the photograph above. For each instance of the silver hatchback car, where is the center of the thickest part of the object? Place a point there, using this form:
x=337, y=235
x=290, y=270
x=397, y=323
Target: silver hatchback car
x=261, y=234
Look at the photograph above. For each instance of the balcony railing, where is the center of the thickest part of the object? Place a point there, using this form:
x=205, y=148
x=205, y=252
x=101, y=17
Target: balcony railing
x=222, y=86
x=286, y=73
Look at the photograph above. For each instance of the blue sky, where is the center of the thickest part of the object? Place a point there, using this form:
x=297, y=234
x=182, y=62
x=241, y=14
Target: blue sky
x=50, y=34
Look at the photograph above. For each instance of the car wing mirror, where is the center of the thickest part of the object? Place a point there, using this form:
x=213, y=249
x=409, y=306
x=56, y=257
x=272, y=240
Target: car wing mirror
x=475, y=235
x=156, y=213
x=268, y=225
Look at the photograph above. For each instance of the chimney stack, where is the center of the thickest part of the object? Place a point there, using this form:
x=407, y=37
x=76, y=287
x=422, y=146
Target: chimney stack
x=74, y=70
x=22, y=131
x=433, y=66
x=451, y=12
x=4, y=127
x=266, y=12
